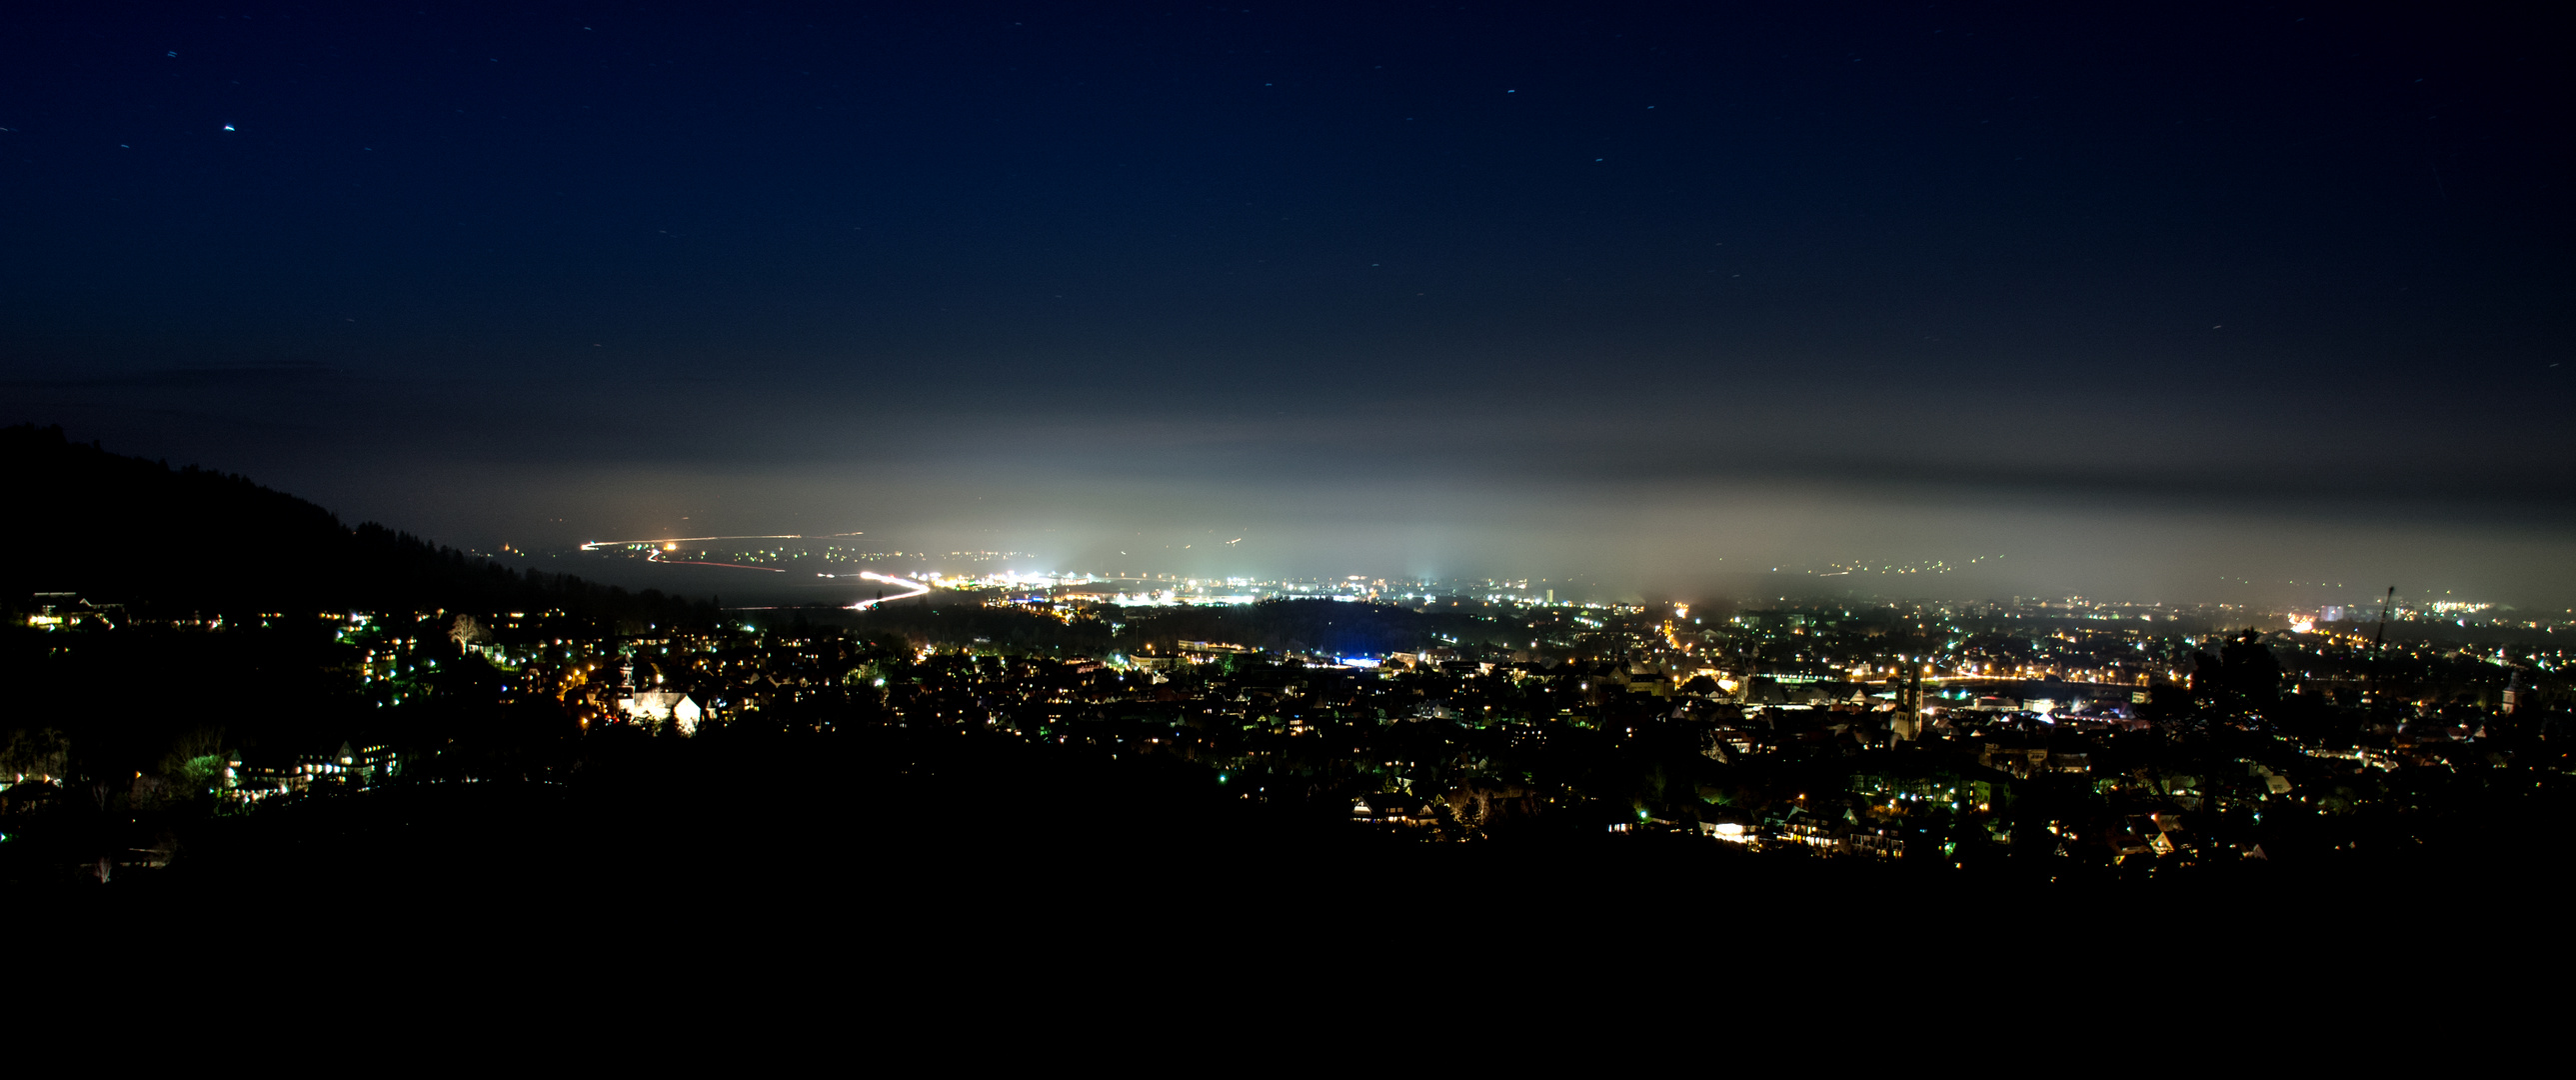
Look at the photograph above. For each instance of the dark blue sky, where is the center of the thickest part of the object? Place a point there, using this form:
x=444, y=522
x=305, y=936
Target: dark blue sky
x=2259, y=292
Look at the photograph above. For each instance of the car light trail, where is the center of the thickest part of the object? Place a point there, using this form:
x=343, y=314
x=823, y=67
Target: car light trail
x=656, y=557
x=918, y=589
x=598, y=544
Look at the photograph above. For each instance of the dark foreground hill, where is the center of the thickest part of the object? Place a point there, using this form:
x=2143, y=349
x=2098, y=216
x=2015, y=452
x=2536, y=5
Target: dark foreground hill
x=117, y=529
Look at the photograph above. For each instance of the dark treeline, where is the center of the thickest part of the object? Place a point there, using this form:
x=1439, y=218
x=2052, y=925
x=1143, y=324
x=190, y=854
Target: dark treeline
x=1313, y=626
x=1284, y=626
x=946, y=619
x=174, y=542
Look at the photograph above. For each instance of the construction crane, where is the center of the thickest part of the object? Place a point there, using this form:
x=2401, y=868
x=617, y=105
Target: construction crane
x=2377, y=641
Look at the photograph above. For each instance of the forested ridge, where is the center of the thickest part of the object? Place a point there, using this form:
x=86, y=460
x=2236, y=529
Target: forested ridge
x=172, y=542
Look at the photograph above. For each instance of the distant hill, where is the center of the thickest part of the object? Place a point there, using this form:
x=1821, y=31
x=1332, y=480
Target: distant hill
x=119, y=529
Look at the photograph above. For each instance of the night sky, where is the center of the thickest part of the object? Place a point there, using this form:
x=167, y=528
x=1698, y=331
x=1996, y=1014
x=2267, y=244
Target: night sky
x=2157, y=303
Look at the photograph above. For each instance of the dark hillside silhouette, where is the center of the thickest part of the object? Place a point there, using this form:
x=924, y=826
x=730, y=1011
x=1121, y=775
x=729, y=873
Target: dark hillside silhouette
x=117, y=529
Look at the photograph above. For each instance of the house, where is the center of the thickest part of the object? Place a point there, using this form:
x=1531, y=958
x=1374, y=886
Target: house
x=657, y=707
x=1389, y=808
